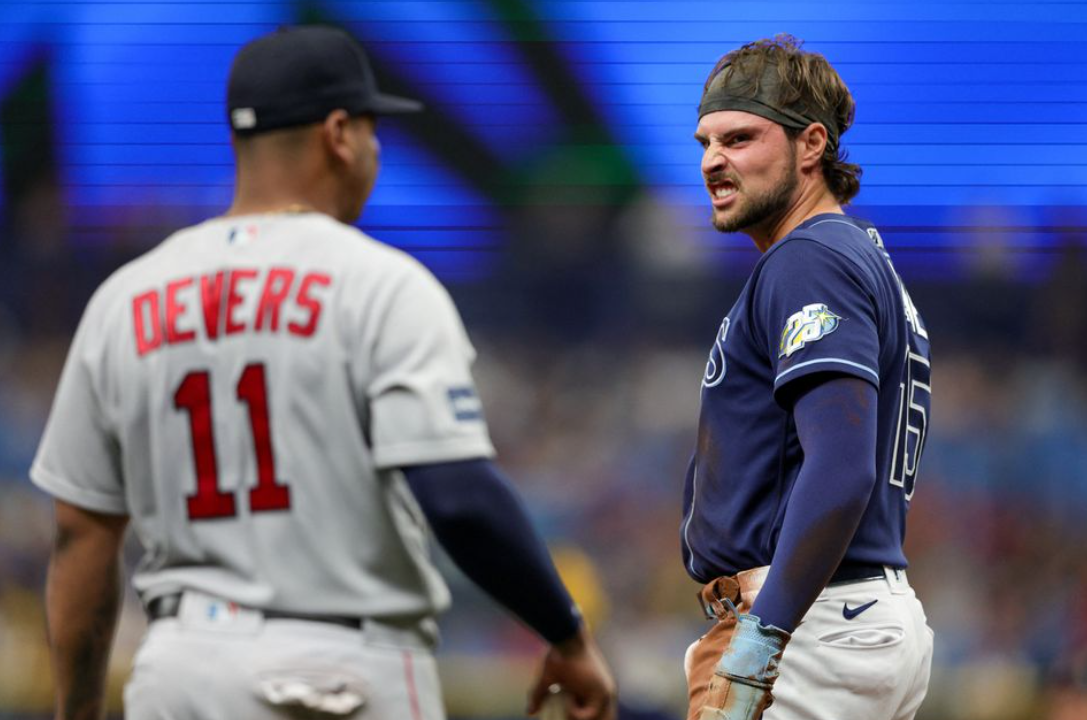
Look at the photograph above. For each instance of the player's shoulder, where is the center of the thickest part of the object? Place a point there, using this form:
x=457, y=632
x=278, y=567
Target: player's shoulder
x=391, y=260
x=834, y=232
x=828, y=239
x=357, y=251
x=373, y=275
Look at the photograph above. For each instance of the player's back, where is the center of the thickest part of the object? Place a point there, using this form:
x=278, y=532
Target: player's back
x=238, y=362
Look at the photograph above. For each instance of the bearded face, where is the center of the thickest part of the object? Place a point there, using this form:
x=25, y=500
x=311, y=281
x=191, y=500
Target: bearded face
x=749, y=167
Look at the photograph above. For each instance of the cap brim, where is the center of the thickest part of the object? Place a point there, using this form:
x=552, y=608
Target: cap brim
x=383, y=104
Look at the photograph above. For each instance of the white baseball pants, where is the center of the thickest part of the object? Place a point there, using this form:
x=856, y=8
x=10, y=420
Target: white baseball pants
x=236, y=664
x=841, y=664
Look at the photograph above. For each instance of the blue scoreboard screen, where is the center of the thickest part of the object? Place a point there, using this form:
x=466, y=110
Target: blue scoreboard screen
x=971, y=116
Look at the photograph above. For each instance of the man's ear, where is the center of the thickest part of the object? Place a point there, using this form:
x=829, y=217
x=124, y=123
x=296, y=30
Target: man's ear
x=334, y=136
x=813, y=141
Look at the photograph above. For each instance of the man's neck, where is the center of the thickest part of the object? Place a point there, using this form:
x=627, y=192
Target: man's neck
x=816, y=201
x=276, y=187
x=238, y=208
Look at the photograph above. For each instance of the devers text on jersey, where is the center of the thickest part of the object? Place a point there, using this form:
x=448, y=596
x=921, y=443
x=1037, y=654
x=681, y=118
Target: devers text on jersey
x=223, y=304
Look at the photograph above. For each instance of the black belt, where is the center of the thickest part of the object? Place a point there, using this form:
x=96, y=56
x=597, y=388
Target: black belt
x=851, y=572
x=168, y=606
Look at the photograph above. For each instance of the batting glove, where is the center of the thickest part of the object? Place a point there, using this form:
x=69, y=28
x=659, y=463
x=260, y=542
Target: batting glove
x=745, y=674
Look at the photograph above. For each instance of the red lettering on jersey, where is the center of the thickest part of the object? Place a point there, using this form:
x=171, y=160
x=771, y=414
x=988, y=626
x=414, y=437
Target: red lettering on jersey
x=269, y=494
x=174, y=308
x=145, y=315
x=211, y=295
x=276, y=288
x=234, y=299
x=312, y=304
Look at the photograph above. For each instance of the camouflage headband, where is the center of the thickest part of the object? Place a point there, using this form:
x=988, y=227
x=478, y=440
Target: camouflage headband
x=726, y=92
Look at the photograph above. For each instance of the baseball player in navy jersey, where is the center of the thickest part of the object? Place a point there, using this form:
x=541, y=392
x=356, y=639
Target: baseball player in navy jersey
x=815, y=403
x=282, y=407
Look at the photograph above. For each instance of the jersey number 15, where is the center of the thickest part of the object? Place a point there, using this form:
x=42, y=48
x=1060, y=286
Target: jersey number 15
x=914, y=394
x=209, y=502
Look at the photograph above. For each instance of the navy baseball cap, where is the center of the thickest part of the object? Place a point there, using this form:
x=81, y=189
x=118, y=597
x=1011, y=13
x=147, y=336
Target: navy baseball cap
x=298, y=75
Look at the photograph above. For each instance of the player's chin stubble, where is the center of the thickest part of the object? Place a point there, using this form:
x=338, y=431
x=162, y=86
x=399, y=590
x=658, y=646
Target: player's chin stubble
x=762, y=207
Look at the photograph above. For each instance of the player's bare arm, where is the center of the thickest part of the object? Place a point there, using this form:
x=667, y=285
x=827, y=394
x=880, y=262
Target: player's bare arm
x=83, y=597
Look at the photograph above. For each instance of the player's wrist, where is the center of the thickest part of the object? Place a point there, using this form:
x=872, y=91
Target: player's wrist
x=754, y=654
x=576, y=644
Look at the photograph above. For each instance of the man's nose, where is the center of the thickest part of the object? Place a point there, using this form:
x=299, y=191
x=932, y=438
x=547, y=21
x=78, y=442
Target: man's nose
x=713, y=160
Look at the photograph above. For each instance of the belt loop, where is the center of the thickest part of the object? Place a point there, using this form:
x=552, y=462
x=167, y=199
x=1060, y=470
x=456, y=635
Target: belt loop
x=896, y=580
x=712, y=597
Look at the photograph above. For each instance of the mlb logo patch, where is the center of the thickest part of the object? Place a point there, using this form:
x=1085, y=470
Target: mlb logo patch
x=221, y=611
x=206, y=612
x=243, y=234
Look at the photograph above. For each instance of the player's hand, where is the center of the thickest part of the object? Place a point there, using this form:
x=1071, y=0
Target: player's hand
x=578, y=668
x=745, y=674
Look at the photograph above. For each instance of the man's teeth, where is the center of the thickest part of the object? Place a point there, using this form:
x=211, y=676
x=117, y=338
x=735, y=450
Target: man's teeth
x=724, y=192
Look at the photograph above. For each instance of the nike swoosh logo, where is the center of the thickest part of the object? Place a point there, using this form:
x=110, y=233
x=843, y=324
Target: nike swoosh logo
x=850, y=613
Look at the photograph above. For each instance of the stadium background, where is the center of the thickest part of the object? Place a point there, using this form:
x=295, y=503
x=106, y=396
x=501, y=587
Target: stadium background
x=554, y=186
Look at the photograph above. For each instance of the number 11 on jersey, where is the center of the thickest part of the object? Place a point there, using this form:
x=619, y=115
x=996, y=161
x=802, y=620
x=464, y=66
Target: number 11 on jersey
x=209, y=502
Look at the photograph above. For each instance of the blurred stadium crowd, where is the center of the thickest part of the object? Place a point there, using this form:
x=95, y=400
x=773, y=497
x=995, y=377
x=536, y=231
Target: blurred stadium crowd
x=591, y=380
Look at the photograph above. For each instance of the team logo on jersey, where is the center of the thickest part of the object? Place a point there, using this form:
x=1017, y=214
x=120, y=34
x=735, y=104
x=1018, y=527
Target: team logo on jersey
x=814, y=322
x=715, y=366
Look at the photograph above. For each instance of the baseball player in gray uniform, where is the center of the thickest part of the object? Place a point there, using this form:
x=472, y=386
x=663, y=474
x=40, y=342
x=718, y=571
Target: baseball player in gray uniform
x=282, y=407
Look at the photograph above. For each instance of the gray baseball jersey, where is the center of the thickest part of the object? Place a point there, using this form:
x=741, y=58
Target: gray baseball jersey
x=246, y=392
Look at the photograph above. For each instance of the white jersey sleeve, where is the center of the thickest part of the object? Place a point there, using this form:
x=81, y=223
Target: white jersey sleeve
x=423, y=403
x=79, y=460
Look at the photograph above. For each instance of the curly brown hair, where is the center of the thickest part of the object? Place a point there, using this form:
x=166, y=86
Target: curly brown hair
x=806, y=81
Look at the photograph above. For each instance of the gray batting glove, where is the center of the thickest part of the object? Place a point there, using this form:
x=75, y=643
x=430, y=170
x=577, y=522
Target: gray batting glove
x=745, y=674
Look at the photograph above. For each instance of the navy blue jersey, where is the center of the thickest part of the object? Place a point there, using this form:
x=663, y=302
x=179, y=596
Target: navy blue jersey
x=825, y=298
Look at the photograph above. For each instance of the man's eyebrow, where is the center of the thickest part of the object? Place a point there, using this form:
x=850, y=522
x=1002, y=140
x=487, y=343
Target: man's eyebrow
x=743, y=129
